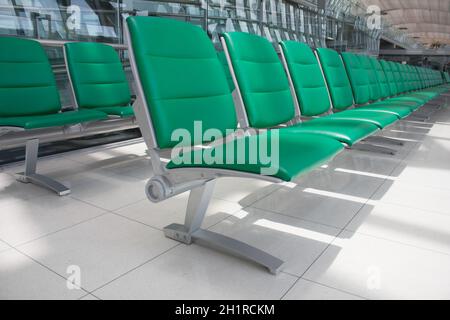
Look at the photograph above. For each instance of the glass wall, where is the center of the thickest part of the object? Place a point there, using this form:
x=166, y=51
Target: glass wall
x=333, y=22
x=338, y=24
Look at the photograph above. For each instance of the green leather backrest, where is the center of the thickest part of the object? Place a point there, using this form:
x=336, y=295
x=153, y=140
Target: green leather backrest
x=358, y=77
x=223, y=60
x=397, y=76
x=409, y=79
x=439, y=78
x=428, y=76
x=389, y=77
x=374, y=86
x=381, y=77
x=310, y=87
x=97, y=75
x=405, y=77
x=415, y=77
x=419, y=77
x=27, y=83
x=336, y=77
x=181, y=76
x=262, y=80
x=424, y=76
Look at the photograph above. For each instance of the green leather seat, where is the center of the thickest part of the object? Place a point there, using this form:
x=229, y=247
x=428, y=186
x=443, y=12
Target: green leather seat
x=29, y=98
x=52, y=120
x=267, y=97
x=365, y=87
x=177, y=100
x=298, y=153
x=98, y=79
x=346, y=129
x=380, y=119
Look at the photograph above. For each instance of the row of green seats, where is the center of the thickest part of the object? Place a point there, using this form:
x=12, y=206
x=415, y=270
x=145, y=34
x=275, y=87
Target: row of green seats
x=29, y=98
x=269, y=100
x=182, y=81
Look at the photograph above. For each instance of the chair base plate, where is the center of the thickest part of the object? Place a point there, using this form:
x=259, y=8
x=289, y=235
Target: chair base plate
x=225, y=244
x=45, y=182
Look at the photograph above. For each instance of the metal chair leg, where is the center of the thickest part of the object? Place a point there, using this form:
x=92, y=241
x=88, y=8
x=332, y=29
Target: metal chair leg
x=30, y=175
x=191, y=232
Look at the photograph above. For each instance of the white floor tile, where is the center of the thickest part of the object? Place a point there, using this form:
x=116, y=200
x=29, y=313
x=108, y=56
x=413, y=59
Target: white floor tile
x=139, y=168
x=403, y=224
x=173, y=210
x=242, y=190
x=25, y=220
x=194, y=272
x=295, y=202
x=107, y=190
x=414, y=196
x=364, y=162
x=341, y=182
x=428, y=166
x=3, y=246
x=382, y=269
x=307, y=290
x=12, y=190
x=99, y=156
x=294, y=241
x=22, y=278
x=103, y=248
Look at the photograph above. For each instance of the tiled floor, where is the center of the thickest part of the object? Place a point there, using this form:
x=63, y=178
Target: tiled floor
x=366, y=226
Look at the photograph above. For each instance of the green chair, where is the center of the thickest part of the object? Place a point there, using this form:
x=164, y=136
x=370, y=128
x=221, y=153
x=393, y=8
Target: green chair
x=359, y=72
x=98, y=79
x=266, y=97
x=310, y=90
x=390, y=72
x=419, y=97
x=382, y=81
x=183, y=91
x=29, y=101
x=341, y=91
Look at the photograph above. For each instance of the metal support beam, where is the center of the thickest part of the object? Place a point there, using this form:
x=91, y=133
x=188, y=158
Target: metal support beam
x=191, y=232
x=30, y=175
x=418, y=117
x=385, y=140
x=373, y=148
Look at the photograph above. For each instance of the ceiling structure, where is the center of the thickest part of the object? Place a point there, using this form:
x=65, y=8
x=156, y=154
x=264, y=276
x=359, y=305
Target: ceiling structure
x=426, y=21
